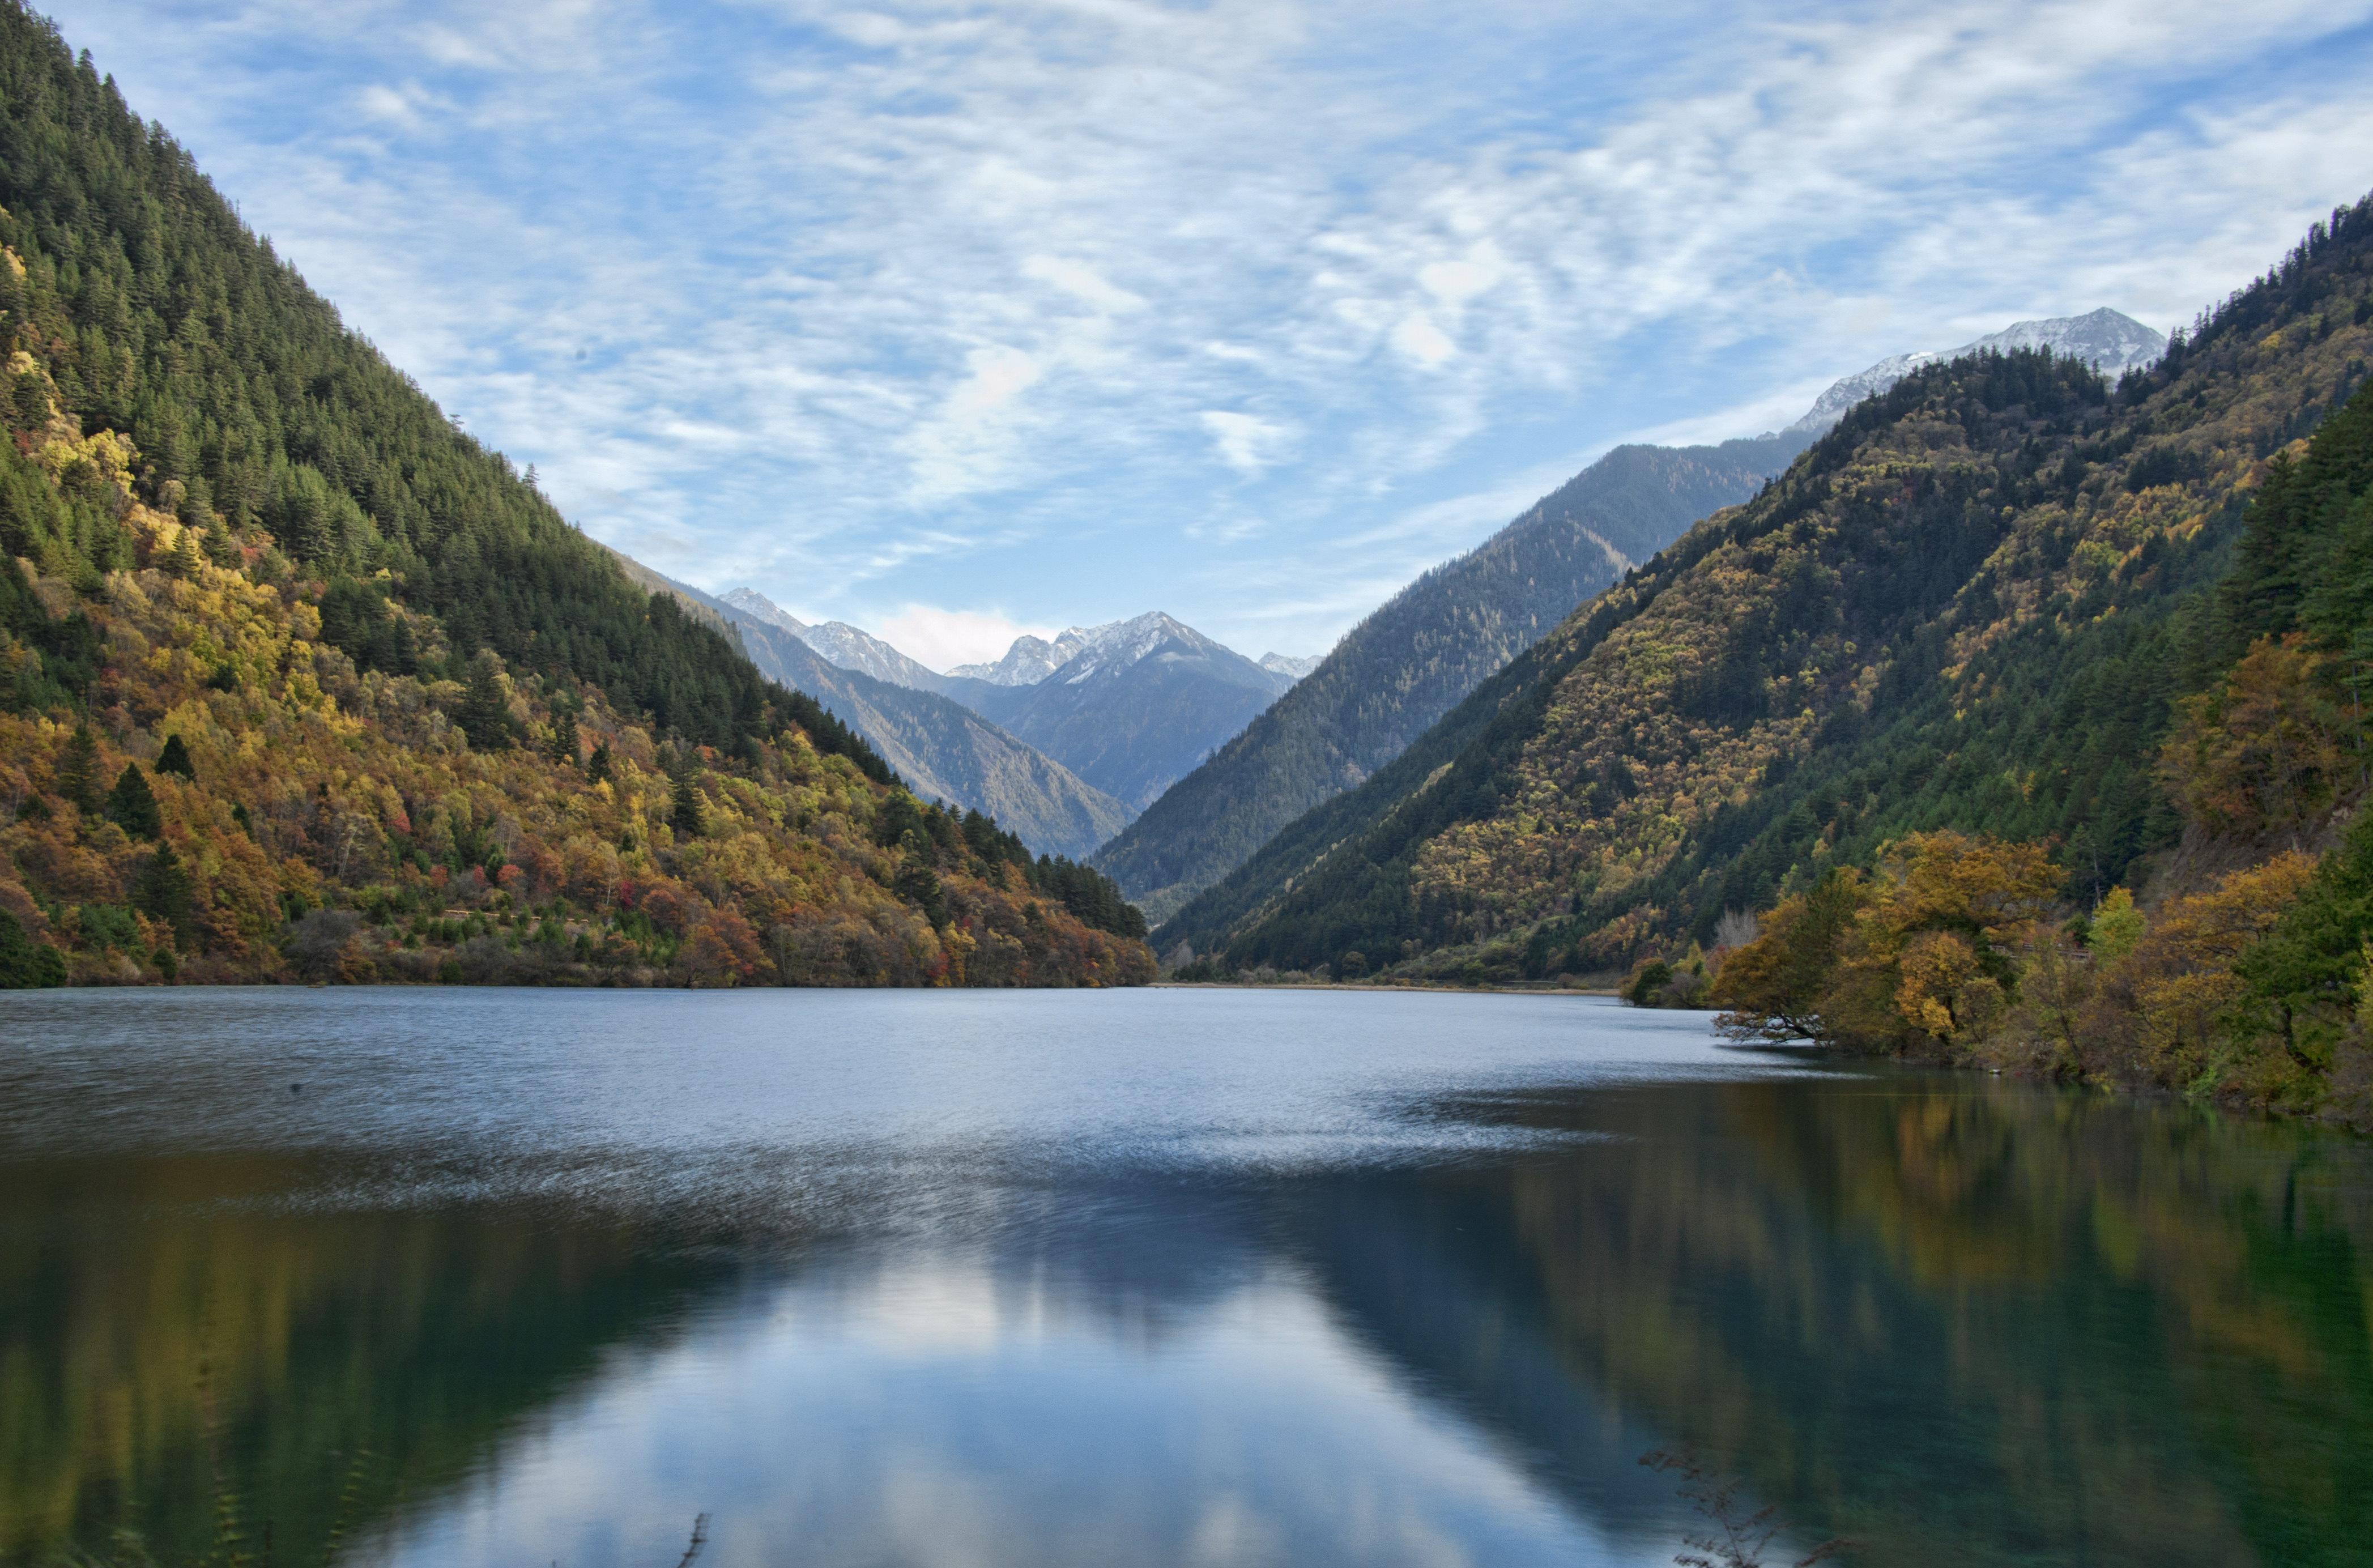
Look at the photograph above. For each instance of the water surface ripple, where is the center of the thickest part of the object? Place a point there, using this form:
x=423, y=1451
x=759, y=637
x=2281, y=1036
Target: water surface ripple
x=1153, y=1277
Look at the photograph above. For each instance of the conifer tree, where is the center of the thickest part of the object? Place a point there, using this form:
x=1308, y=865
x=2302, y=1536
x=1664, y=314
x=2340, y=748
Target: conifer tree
x=175, y=759
x=78, y=771
x=597, y=766
x=484, y=716
x=686, y=816
x=24, y=963
x=163, y=891
x=917, y=885
x=132, y=805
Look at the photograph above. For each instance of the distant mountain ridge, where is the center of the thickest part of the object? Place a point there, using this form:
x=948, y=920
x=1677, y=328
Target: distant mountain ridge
x=1030, y=661
x=2110, y=340
x=1136, y=705
x=941, y=748
x=1408, y=663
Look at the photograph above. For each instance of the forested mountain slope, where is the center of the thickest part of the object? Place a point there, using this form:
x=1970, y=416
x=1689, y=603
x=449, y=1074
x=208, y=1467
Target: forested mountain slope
x=1971, y=604
x=298, y=680
x=1405, y=666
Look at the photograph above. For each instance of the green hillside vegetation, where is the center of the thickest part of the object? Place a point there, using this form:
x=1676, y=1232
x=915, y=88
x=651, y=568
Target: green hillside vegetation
x=298, y=682
x=1979, y=604
x=1400, y=670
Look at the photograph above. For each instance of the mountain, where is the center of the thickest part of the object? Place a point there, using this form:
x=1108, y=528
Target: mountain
x=2109, y=341
x=1396, y=673
x=853, y=650
x=750, y=601
x=1986, y=600
x=299, y=682
x=1137, y=703
x=1291, y=664
x=1030, y=661
x=941, y=749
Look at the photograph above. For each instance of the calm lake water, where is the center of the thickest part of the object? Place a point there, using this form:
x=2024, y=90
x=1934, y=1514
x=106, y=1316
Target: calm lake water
x=978, y=1280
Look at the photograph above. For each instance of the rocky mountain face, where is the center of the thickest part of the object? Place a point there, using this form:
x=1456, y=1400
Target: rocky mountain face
x=750, y=601
x=2110, y=342
x=942, y=749
x=1030, y=661
x=1412, y=660
x=1137, y=703
x=1295, y=665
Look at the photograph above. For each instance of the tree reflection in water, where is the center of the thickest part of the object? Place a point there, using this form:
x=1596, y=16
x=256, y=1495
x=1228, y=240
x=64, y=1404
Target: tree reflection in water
x=1961, y=1320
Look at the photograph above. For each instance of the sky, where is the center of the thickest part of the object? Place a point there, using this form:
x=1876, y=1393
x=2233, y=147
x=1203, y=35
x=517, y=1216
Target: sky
x=953, y=320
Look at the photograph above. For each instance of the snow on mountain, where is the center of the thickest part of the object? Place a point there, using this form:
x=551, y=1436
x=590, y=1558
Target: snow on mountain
x=851, y=649
x=1123, y=643
x=847, y=647
x=1295, y=665
x=750, y=601
x=1081, y=652
x=1030, y=661
x=2111, y=342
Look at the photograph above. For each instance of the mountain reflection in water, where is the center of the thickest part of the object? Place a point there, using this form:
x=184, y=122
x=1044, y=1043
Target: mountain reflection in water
x=1154, y=1278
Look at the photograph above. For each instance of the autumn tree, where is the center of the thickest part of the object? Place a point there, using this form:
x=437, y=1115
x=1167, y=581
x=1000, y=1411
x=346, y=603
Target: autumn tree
x=2162, y=1005
x=2266, y=749
x=1775, y=986
x=1933, y=955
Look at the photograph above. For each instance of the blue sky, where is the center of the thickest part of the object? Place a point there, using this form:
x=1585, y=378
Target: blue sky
x=953, y=320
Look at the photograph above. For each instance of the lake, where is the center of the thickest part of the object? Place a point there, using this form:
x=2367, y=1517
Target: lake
x=1157, y=1277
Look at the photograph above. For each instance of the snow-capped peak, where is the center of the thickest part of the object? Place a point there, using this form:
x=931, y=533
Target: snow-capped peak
x=752, y=603
x=2109, y=341
x=1083, y=652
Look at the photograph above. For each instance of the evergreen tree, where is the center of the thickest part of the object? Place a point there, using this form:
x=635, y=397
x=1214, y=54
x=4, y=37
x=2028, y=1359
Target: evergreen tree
x=597, y=766
x=175, y=759
x=483, y=715
x=163, y=891
x=132, y=805
x=78, y=771
x=24, y=963
x=685, y=815
x=917, y=885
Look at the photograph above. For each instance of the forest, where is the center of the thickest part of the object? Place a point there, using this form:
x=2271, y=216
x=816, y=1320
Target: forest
x=301, y=682
x=2006, y=600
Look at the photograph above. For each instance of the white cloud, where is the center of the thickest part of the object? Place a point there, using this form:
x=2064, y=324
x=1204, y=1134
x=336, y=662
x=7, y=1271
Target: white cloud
x=940, y=639
x=1245, y=444
x=974, y=297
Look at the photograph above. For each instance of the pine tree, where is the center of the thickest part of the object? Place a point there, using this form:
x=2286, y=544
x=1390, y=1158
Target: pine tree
x=597, y=766
x=132, y=806
x=685, y=817
x=484, y=716
x=163, y=891
x=917, y=885
x=175, y=758
x=78, y=771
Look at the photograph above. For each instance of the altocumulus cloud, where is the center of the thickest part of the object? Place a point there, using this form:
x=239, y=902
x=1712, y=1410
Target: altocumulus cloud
x=1026, y=312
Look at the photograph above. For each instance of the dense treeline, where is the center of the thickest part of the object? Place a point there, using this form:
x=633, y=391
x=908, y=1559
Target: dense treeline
x=298, y=682
x=1979, y=602
x=243, y=803
x=242, y=407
